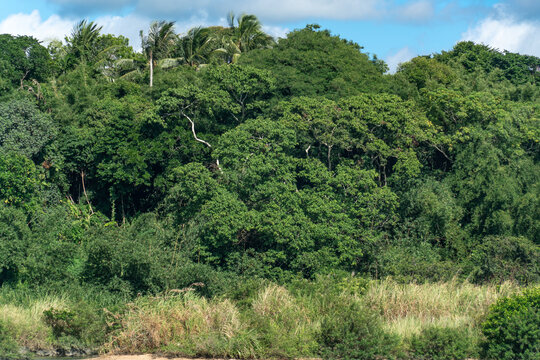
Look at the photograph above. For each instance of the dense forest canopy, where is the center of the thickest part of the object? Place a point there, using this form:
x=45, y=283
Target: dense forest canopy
x=224, y=151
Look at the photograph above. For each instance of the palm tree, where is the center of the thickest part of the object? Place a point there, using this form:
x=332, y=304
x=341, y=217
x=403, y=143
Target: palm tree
x=158, y=43
x=198, y=46
x=246, y=35
x=83, y=40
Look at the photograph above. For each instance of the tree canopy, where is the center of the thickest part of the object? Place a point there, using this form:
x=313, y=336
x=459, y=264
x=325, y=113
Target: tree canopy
x=274, y=158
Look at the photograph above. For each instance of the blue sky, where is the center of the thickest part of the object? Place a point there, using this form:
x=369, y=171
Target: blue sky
x=395, y=30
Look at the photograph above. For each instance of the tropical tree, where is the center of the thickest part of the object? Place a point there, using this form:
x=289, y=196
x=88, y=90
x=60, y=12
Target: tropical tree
x=83, y=41
x=22, y=58
x=245, y=34
x=158, y=43
x=197, y=46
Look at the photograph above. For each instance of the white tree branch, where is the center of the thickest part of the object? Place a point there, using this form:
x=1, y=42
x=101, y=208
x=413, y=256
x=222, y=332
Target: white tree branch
x=200, y=140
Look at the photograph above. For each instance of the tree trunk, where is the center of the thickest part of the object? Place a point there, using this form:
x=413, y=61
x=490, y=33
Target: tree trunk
x=151, y=69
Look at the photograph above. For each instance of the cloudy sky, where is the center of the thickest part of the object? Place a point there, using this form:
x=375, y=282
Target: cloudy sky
x=395, y=30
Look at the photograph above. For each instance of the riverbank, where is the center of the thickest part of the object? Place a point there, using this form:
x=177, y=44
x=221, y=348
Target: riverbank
x=144, y=357
x=157, y=357
x=305, y=319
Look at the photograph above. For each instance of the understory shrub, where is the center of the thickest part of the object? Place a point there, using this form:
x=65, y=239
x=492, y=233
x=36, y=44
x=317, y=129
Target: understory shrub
x=80, y=324
x=501, y=258
x=436, y=343
x=512, y=328
x=351, y=331
x=8, y=345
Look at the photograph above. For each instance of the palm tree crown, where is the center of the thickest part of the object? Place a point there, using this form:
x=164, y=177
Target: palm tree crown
x=247, y=33
x=82, y=43
x=158, y=43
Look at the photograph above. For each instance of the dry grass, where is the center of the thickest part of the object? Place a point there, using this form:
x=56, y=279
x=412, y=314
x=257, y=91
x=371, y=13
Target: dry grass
x=27, y=322
x=409, y=308
x=287, y=328
x=185, y=323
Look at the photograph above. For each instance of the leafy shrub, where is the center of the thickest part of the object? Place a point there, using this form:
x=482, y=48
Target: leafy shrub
x=407, y=262
x=8, y=345
x=127, y=259
x=211, y=282
x=19, y=181
x=82, y=324
x=512, y=327
x=436, y=343
x=14, y=236
x=501, y=258
x=62, y=322
x=351, y=331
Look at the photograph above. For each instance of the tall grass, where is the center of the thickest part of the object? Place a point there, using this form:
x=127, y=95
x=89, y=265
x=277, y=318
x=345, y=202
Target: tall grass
x=22, y=315
x=269, y=322
x=26, y=322
x=408, y=309
x=275, y=325
x=183, y=323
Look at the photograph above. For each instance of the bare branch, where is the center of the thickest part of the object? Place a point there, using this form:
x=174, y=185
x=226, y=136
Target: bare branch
x=200, y=140
x=442, y=152
x=193, y=131
x=84, y=191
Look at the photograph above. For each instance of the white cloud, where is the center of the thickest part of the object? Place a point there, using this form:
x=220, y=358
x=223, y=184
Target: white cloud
x=403, y=55
x=272, y=11
x=32, y=24
x=290, y=10
x=56, y=27
x=276, y=31
x=131, y=25
x=416, y=11
x=281, y=10
x=507, y=33
x=128, y=26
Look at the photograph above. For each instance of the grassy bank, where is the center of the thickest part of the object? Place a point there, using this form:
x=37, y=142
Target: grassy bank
x=324, y=318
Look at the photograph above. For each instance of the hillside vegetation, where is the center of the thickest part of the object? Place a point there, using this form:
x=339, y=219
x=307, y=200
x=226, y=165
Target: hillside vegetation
x=224, y=193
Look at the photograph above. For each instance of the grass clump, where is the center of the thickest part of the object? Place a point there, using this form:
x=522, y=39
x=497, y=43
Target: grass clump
x=8, y=345
x=408, y=309
x=284, y=326
x=24, y=322
x=184, y=324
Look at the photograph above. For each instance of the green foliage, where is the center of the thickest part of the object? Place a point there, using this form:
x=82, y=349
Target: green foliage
x=24, y=129
x=82, y=323
x=475, y=58
x=436, y=343
x=501, y=258
x=248, y=161
x=62, y=322
x=8, y=346
x=22, y=58
x=14, y=233
x=511, y=327
x=19, y=181
x=315, y=63
x=351, y=331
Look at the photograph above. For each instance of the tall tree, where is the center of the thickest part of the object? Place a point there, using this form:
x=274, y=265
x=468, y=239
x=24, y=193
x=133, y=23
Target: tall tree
x=22, y=58
x=158, y=43
x=197, y=46
x=83, y=41
x=244, y=35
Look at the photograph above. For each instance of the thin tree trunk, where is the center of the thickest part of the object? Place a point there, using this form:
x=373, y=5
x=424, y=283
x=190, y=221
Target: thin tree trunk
x=151, y=69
